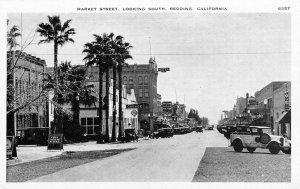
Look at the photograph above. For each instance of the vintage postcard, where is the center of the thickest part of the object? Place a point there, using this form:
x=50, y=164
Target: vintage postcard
x=150, y=94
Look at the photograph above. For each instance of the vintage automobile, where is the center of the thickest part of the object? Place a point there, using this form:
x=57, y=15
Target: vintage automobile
x=163, y=133
x=252, y=137
x=130, y=135
x=199, y=129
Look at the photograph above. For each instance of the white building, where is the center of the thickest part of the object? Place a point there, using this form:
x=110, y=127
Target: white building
x=89, y=120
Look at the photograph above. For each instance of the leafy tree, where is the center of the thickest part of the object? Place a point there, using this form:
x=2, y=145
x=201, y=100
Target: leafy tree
x=73, y=88
x=58, y=33
x=194, y=114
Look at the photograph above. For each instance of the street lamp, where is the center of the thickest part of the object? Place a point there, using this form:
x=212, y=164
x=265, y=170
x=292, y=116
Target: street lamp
x=265, y=105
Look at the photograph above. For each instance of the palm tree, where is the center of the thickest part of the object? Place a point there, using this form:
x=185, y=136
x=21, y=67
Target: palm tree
x=122, y=53
x=98, y=53
x=60, y=34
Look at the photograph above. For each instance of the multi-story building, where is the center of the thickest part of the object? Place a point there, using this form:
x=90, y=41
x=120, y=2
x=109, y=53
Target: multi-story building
x=143, y=79
x=282, y=110
x=265, y=101
x=28, y=82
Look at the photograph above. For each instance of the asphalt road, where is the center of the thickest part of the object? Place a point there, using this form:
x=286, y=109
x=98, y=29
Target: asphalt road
x=226, y=165
x=162, y=160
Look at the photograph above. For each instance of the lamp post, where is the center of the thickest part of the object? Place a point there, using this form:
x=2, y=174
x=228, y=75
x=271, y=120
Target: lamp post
x=265, y=106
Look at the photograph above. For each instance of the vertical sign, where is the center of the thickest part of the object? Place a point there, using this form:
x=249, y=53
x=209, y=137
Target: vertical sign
x=55, y=142
x=286, y=101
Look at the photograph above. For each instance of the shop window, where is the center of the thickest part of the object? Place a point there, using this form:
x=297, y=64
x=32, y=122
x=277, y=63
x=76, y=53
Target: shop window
x=89, y=121
x=83, y=121
x=90, y=130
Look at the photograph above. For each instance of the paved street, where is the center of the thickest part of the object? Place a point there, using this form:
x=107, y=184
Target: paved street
x=168, y=159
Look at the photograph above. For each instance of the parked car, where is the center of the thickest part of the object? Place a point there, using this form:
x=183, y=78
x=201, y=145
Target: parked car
x=130, y=135
x=252, y=137
x=164, y=133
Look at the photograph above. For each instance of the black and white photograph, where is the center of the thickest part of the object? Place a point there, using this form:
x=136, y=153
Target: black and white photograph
x=148, y=94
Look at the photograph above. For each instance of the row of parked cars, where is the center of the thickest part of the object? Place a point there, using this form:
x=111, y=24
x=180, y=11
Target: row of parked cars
x=252, y=137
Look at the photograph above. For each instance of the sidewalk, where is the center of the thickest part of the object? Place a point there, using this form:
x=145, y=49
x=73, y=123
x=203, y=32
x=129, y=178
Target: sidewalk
x=27, y=153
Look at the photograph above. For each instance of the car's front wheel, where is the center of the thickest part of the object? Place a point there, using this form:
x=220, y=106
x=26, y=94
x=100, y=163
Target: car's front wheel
x=237, y=146
x=274, y=148
x=251, y=150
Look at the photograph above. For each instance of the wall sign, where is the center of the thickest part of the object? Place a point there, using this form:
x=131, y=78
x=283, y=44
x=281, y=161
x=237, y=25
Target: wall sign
x=134, y=112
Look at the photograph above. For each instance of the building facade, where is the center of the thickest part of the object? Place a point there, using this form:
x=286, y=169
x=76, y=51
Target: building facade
x=28, y=82
x=265, y=100
x=142, y=78
x=282, y=108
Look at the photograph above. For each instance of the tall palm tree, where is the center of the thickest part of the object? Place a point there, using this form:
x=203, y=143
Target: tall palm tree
x=114, y=68
x=98, y=52
x=59, y=33
x=122, y=53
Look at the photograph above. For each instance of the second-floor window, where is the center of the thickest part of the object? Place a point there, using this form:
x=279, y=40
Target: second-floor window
x=130, y=80
x=140, y=80
x=146, y=92
x=140, y=92
x=146, y=80
x=125, y=80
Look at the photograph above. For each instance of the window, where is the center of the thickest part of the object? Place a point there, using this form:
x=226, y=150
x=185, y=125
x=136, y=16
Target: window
x=140, y=93
x=140, y=80
x=125, y=80
x=146, y=92
x=90, y=125
x=130, y=80
x=146, y=80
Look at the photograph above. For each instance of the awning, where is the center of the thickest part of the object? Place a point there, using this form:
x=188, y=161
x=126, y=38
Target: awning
x=284, y=118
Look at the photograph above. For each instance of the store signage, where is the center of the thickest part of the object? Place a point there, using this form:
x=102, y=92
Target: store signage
x=132, y=106
x=134, y=112
x=286, y=101
x=55, y=142
x=163, y=69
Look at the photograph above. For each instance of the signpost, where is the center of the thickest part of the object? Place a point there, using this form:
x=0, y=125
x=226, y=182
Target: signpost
x=163, y=69
x=55, y=142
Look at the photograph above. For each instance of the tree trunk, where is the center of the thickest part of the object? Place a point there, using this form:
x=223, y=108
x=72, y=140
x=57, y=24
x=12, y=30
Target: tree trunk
x=56, y=117
x=100, y=139
x=120, y=101
x=107, y=104
x=114, y=111
x=76, y=111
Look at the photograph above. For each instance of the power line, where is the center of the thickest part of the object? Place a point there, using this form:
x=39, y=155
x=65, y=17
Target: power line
x=173, y=54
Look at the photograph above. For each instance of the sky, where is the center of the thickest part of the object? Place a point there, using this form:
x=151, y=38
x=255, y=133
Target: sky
x=213, y=58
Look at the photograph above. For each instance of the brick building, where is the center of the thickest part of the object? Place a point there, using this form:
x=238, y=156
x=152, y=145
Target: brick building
x=28, y=82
